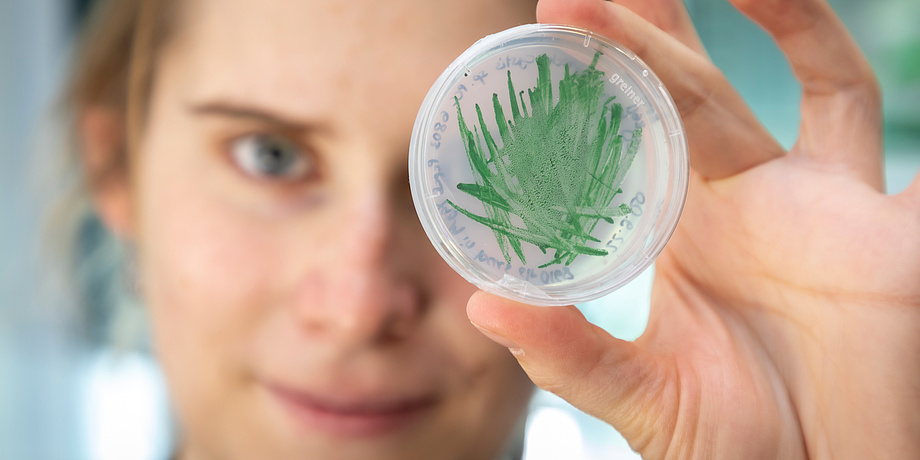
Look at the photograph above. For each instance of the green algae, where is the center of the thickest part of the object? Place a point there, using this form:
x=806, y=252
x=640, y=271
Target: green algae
x=559, y=167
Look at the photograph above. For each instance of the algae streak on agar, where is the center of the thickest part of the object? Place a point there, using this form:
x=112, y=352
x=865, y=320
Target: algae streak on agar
x=558, y=170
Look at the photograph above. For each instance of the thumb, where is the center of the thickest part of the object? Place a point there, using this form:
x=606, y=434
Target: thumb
x=611, y=379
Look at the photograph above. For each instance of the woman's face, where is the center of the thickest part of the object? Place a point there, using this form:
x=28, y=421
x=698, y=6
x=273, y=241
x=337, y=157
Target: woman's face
x=299, y=310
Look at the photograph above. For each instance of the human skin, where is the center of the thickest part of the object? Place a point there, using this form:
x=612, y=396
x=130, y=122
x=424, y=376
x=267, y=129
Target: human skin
x=785, y=308
x=305, y=315
x=785, y=317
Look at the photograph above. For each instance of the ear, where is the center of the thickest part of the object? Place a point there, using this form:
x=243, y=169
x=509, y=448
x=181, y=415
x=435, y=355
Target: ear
x=102, y=136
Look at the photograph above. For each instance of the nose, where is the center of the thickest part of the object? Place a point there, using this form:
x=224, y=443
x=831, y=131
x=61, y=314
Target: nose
x=363, y=295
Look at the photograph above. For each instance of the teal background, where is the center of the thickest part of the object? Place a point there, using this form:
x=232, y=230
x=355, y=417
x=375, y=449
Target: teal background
x=66, y=394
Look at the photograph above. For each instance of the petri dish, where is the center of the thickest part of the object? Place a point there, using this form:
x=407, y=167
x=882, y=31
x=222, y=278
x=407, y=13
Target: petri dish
x=548, y=165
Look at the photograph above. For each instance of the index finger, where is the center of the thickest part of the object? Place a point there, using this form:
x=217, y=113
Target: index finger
x=724, y=136
x=670, y=16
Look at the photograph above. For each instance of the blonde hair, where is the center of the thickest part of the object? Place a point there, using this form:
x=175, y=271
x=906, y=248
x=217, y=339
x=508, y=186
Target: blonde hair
x=113, y=68
x=115, y=62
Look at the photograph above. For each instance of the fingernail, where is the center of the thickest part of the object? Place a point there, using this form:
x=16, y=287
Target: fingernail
x=515, y=348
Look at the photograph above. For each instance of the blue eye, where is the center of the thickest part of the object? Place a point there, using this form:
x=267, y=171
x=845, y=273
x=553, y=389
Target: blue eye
x=270, y=157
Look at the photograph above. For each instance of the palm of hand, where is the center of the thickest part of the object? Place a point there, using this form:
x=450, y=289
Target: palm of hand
x=774, y=302
x=785, y=319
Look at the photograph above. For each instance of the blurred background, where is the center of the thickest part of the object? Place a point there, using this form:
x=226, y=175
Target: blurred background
x=70, y=389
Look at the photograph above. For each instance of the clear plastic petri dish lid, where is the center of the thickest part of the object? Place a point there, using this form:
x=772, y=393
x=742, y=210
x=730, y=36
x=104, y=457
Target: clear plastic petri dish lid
x=548, y=165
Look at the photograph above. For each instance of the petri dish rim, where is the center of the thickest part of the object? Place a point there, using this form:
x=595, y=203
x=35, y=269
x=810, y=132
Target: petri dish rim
x=640, y=253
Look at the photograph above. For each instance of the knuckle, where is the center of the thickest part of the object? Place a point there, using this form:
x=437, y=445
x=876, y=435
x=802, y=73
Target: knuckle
x=872, y=88
x=669, y=15
x=549, y=381
x=697, y=93
x=863, y=91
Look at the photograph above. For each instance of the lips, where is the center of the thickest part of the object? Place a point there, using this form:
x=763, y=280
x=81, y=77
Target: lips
x=358, y=415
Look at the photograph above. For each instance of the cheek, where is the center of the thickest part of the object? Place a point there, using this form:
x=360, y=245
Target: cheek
x=201, y=272
x=492, y=389
x=486, y=369
x=484, y=365
x=206, y=279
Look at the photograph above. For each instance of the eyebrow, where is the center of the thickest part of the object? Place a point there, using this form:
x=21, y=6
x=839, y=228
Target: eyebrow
x=251, y=113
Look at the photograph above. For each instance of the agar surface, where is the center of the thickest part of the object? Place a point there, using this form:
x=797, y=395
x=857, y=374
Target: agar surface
x=558, y=169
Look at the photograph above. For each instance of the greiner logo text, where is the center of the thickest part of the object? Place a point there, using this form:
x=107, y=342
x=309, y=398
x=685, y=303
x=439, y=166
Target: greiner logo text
x=627, y=89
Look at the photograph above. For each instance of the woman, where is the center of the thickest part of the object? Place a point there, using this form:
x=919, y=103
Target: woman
x=253, y=155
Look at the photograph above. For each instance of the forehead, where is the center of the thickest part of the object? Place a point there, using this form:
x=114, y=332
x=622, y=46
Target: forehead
x=312, y=57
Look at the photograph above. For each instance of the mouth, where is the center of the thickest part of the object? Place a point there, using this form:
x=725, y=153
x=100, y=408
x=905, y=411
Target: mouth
x=365, y=415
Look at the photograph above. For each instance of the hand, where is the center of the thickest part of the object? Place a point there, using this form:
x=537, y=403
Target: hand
x=785, y=318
